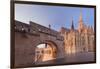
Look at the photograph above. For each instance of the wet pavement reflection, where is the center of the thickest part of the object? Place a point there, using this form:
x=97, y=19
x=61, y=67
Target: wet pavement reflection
x=71, y=58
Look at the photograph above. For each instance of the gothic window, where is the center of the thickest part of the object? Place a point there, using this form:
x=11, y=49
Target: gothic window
x=83, y=41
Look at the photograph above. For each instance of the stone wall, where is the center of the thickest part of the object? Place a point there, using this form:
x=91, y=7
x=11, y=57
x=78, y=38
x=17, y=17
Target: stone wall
x=28, y=36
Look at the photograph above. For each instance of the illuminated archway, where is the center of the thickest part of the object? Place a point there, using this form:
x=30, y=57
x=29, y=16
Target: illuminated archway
x=45, y=52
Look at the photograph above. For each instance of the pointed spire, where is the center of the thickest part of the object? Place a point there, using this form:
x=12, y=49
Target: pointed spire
x=92, y=28
x=72, y=26
x=80, y=17
x=81, y=25
x=49, y=26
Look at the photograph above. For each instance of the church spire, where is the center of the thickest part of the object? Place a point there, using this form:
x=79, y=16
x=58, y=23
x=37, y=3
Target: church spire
x=80, y=27
x=80, y=17
x=72, y=26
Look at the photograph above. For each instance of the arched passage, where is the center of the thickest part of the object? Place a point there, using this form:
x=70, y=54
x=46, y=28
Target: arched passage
x=45, y=51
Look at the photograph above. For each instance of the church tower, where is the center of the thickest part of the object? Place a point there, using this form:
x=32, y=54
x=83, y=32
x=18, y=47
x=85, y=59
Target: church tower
x=80, y=26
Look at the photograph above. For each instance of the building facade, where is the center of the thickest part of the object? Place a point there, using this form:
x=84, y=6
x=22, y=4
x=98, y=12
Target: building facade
x=80, y=39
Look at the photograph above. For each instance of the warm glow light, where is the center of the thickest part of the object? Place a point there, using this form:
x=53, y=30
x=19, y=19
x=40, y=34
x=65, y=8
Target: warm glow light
x=44, y=53
x=41, y=46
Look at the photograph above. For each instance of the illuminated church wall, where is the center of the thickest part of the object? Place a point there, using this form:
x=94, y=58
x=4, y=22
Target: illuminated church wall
x=80, y=39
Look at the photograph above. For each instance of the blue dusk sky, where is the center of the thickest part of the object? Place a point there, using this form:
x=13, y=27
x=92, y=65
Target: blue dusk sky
x=56, y=16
